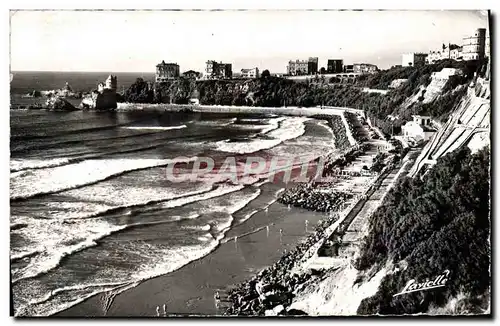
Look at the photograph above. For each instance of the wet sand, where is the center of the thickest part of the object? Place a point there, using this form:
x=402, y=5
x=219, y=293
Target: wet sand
x=191, y=289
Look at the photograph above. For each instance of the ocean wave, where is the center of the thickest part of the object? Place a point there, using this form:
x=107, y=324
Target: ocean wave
x=122, y=200
x=17, y=165
x=44, y=306
x=221, y=190
x=51, y=257
x=154, y=127
x=23, y=254
x=57, y=179
x=55, y=239
x=272, y=125
x=216, y=123
x=205, y=227
x=158, y=259
x=289, y=128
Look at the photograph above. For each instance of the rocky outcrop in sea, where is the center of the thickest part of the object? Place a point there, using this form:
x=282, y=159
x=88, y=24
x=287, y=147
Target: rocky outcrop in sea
x=58, y=103
x=104, y=98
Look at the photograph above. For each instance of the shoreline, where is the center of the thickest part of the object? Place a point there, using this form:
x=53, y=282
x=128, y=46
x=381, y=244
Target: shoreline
x=190, y=289
x=193, y=298
x=272, y=292
x=339, y=129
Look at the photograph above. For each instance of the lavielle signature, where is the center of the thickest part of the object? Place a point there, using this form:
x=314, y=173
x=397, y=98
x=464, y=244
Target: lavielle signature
x=413, y=286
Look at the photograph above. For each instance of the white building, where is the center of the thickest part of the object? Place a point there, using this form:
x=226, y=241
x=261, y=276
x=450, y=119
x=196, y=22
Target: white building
x=413, y=59
x=474, y=46
x=194, y=101
x=419, y=129
x=250, y=73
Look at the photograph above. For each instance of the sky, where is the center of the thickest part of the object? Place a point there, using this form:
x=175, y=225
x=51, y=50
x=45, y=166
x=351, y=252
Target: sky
x=135, y=41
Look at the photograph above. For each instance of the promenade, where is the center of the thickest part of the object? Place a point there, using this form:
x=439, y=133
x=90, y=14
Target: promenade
x=289, y=110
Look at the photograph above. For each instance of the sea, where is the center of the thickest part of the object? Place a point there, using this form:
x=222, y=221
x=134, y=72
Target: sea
x=92, y=207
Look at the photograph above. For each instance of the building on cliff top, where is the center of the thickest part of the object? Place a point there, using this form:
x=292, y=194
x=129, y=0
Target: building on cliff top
x=166, y=71
x=335, y=66
x=218, y=70
x=303, y=67
x=191, y=74
x=413, y=59
x=250, y=73
x=364, y=68
x=474, y=46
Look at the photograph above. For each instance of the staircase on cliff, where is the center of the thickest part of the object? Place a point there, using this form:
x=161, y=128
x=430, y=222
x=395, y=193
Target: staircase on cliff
x=468, y=125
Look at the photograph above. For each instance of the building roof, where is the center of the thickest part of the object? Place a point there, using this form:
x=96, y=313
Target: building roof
x=165, y=64
x=425, y=128
x=428, y=129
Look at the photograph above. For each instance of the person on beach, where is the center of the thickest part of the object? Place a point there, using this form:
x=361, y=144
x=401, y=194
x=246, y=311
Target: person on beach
x=307, y=223
x=164, y=309
x=267, y=230
x=235, y=238
x=267, y=209
x=217, y=299
x=157, y=311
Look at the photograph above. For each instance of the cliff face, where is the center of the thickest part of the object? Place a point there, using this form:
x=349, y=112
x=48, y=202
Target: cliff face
x=468, y=125
x=106, y=100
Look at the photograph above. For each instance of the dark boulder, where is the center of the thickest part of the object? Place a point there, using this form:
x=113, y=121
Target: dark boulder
x=295, y=312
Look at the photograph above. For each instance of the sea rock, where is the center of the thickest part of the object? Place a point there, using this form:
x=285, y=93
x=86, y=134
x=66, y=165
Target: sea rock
x=104, y=98
x=58, y=103
x=107, y=100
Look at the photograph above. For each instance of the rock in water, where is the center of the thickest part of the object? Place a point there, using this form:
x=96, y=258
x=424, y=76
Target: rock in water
x=58, y=103
x=105, y=98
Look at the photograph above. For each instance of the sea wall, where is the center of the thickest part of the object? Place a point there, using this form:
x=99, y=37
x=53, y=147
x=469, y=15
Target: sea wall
x=290, y=110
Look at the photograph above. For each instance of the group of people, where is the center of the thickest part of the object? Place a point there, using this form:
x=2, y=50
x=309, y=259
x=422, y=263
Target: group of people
x=164, y=310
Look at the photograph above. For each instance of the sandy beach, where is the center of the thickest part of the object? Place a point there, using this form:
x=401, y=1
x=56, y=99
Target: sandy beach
x=191, y=289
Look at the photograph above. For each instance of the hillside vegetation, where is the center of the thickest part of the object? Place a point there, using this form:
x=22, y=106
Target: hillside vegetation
x=428, y=226
x=272, y=91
